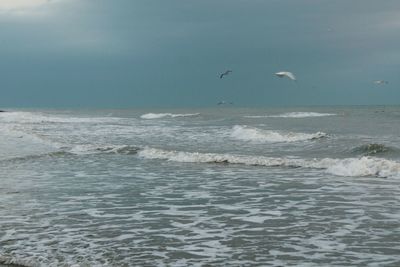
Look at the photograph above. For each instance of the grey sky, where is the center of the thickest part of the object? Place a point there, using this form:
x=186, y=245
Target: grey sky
x=129, y=53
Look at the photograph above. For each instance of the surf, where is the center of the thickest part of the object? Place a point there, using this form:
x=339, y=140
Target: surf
x=245, y=133
x=295, y=115
x=150, y=116
x=348, y=167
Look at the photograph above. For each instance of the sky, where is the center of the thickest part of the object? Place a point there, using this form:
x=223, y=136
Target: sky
x=170, y=53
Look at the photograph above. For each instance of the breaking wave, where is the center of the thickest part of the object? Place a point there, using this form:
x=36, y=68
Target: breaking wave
x=373, y=149
x=150, y=116
x=364, y=166
x=258, y=135
x=295, y=115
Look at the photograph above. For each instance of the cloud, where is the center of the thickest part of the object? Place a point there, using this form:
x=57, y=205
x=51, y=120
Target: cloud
x=60, y=27
x=18, y=5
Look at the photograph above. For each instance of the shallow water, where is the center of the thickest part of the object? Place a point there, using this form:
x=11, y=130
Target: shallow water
x=219, y=187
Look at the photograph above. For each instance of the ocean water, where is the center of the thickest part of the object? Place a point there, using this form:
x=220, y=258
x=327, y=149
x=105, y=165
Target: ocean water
x=205, y=187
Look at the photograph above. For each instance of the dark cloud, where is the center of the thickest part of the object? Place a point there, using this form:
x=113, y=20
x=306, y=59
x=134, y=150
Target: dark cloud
x=169, y=53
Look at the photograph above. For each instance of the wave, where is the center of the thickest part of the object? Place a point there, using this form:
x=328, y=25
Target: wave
x=15, y=262
x=110, y=149
x=29, y=157
x=150, y=116
x=41, y=117
x=364, y=166
x=26, y=138
x=258, y=135
x=373, y=149
x=295, y=115
x=78, y=150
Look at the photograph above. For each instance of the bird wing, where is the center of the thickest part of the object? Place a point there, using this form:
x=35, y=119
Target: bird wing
x=286, y=74
x=225, y=73
x=290, y=75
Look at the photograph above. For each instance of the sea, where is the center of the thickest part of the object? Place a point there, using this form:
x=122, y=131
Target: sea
x=222, y=186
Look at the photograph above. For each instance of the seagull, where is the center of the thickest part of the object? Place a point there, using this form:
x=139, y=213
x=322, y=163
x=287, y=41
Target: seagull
x=223, y=102
x=225, y=73
x=381, y=82
x=288, y=74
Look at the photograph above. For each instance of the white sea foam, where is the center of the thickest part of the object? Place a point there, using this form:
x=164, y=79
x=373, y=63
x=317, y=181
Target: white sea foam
x=150, y=116
x=258, y=135
x=295, y=115
x=364, y=166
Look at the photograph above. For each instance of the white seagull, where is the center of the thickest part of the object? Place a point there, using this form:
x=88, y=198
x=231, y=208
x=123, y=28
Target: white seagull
x=288, y=74
x=381, y=82
x=223, y=102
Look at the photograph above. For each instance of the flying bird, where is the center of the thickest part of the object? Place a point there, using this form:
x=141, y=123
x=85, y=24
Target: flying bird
x=287, y=74
x=381, y=82
x=225, y=73
x=223, y=102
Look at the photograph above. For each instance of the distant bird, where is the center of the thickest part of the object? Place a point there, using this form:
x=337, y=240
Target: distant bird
x=223, y=102
x=225, y=73
x=287, y=74
x=381, y=82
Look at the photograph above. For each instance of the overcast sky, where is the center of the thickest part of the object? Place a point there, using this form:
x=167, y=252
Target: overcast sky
x=163, y=53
